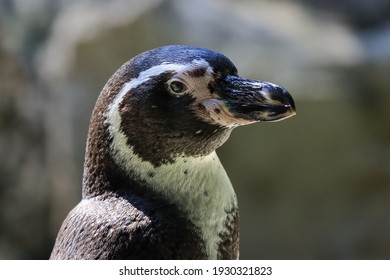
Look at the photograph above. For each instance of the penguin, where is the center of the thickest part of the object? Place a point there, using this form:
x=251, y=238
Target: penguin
x=153, y=186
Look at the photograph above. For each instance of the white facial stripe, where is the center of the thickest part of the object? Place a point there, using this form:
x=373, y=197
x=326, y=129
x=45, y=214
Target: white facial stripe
x=152, y=72
x=198, y=185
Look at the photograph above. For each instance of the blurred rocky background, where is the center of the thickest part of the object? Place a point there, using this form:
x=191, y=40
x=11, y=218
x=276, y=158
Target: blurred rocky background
x=316, y=186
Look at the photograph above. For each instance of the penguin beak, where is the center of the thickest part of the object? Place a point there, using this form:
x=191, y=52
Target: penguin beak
x=253, y=101
x=237, y=101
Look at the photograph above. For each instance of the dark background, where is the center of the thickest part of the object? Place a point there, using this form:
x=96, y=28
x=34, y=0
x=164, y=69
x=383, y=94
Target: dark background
x=316, y=186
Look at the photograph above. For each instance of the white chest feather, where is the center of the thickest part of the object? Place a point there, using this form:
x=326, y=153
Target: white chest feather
x=199, y=186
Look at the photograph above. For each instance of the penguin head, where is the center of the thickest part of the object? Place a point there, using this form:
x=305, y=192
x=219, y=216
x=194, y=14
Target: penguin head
x=184, y=101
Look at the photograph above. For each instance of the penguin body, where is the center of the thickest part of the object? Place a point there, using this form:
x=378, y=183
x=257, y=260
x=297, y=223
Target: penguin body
x=153, y=186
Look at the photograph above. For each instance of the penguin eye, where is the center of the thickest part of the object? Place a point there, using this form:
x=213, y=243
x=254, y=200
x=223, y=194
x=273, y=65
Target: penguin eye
x=177, y=87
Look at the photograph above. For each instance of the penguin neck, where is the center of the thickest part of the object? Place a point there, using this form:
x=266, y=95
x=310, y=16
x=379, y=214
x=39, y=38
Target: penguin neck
x=198, y=186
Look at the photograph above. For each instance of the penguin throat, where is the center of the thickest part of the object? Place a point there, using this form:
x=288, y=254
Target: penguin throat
x=199, y=186
x=196, y=183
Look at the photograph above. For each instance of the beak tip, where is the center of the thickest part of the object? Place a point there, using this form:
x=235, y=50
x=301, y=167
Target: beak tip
x=290, y=100
x=281, y=96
